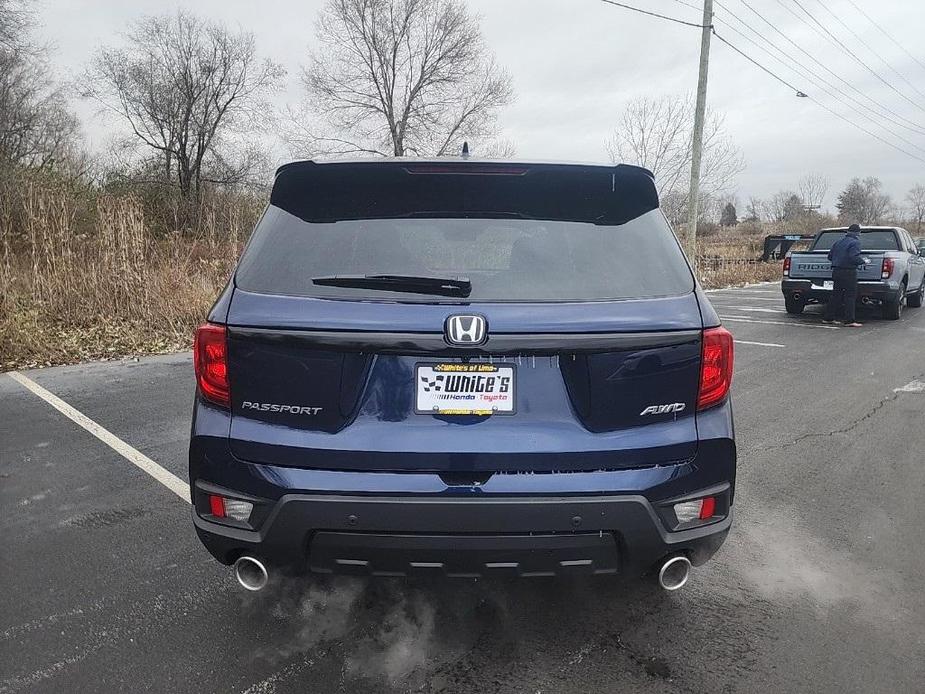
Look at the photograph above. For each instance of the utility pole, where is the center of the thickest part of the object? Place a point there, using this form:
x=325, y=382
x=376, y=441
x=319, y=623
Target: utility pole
x=697, y=146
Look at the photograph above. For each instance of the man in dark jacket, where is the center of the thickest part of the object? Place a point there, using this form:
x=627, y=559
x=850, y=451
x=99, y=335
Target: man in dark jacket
x=846, y=258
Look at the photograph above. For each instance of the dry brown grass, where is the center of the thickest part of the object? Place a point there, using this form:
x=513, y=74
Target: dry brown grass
x=729, y=259
x=717, y=273
x=87, y=275
x=83, y=284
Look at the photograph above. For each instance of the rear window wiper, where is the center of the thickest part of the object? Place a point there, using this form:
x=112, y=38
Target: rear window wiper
x=442, y=286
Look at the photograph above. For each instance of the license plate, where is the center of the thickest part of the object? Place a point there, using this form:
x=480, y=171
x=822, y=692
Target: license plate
x=461, y=389
x=828, y=284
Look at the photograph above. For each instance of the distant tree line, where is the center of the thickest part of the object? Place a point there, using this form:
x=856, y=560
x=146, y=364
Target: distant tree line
x=655, y=132
x=193, y=98
x=36, y=127
x=197, y=108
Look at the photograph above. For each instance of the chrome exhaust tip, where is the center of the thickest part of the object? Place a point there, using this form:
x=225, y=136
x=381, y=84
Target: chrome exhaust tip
x=251, y=573
x=674, y=572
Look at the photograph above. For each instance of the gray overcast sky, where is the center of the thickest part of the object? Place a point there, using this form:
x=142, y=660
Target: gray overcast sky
x=576, y=63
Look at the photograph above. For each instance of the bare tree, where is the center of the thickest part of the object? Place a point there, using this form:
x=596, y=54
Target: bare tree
x=14, y=24
x=812, y=189
x=863, y=202
x=191, y=91
x=36, y=127
x=755, y=210
x=656, y=133
x=775, y=207
x=785, y=206
x=916, y=199
x=397, y=77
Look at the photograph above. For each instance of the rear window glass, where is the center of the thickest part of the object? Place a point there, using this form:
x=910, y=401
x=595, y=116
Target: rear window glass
x=881, y=240
x=505, y=259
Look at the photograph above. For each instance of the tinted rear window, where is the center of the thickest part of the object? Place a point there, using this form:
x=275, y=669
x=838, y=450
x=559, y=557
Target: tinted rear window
x=882, y=240
x=505, y=259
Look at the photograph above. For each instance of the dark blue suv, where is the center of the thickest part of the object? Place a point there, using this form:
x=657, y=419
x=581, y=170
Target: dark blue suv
x=464, y=368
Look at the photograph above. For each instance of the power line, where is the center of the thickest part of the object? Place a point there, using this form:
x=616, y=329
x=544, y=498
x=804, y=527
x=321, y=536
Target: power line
x=653, y=14
x=818, y=81
x=816, y=101
x=866, y=45
x=771, y=73
x=885, y=33
x=825, y=85
x=862, y=128
x=815, y=80
x=885, y=112
x=756, y=63
x=689, y=4
x=851, y=53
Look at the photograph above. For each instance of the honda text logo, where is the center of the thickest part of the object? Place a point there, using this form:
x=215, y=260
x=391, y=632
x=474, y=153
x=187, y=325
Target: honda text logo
x=466, y=330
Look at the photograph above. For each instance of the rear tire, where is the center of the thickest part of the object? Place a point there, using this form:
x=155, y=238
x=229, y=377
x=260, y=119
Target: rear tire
x=893, y=310
x=915, y=300
x=794, y=307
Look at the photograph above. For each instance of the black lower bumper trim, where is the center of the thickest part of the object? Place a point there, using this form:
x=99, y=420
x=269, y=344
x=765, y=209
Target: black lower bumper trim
x=468, y=556
x=401, y=535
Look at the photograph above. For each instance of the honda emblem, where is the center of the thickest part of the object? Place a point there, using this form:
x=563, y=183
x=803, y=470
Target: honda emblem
x=466, y=330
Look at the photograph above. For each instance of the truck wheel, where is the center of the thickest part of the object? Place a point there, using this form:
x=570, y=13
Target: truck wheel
x=892, y=310
x=794, y=306
x=915, y=300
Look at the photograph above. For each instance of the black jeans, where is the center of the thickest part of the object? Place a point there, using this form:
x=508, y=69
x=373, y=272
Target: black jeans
x=844, y=294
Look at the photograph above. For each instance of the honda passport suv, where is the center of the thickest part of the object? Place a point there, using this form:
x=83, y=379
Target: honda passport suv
x=463, y=368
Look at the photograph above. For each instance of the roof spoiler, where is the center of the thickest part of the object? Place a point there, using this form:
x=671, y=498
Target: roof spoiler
x=395, y=188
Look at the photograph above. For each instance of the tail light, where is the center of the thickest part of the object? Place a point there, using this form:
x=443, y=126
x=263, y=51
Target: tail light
x=468, y=170
x=210, y=361
x=787, y=266
x=715, y=367
x=887, y=268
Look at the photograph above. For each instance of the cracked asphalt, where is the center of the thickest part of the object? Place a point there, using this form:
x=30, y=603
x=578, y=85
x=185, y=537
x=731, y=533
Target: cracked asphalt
x=819, y=588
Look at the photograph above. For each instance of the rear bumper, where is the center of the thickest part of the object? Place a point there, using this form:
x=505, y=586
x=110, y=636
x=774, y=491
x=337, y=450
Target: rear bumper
x=400, y=523
x=398, y=536
x=806, y=291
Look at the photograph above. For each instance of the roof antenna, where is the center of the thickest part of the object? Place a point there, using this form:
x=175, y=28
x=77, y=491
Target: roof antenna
x=465, y=151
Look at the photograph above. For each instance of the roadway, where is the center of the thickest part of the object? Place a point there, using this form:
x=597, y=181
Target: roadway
x=820, y=587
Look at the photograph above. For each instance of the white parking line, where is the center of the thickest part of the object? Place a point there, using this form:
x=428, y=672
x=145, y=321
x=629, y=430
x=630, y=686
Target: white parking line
x=755, y=309
x=749, y=293
x=758, y=344
x=137, y=458
x=747, y=287
x=797, y=324
x=715, y=299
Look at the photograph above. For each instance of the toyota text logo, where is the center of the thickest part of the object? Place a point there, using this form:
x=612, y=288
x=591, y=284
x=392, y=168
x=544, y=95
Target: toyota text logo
x=466, y=330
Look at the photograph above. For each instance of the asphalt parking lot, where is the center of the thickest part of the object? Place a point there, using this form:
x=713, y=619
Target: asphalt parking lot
x=820, y=587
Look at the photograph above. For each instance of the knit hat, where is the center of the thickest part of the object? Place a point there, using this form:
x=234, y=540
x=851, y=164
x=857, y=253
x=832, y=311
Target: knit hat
x=854, y=230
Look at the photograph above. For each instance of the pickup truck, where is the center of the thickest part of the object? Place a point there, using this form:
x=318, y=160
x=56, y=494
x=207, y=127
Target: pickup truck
x=894, y=277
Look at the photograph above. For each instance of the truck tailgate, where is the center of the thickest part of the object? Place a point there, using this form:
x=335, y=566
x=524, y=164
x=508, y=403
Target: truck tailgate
x=816, y=267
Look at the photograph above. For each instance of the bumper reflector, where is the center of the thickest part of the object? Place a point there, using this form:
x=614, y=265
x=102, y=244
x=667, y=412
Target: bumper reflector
x=708, y=508
x=238, y=510
x=217, y=506
x=701, y=509
x=235, y=509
